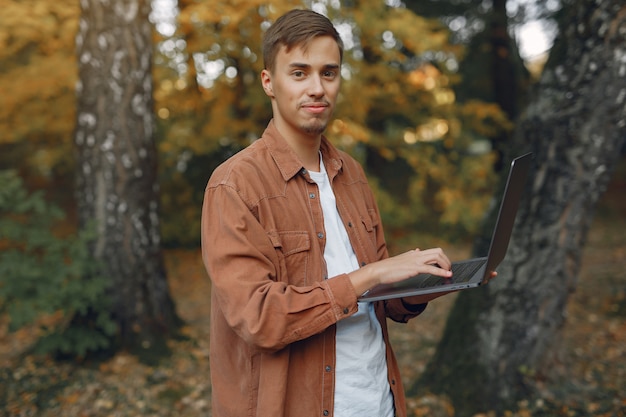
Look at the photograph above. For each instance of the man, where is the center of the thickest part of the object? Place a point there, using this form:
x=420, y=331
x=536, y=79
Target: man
x=291, y=236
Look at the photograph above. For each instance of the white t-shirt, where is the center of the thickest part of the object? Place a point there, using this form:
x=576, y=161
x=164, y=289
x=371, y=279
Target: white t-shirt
x=361, y=385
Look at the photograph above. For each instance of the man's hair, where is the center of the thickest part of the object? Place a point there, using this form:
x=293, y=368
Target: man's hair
x=296, y=28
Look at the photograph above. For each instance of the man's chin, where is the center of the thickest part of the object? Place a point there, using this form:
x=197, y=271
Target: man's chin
x=314, y=128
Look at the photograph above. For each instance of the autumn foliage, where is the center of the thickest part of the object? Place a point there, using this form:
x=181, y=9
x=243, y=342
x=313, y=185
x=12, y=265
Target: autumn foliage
x=398, y=112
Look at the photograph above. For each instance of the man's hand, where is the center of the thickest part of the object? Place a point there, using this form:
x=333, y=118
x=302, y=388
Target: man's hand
x=400, y=267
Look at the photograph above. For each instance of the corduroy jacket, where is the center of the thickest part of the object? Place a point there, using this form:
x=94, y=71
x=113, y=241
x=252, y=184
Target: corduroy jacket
x=273, y=308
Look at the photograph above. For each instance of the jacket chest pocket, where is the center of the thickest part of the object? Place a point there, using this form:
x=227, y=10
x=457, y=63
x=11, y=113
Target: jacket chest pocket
x=370, y=225
x=293, y=249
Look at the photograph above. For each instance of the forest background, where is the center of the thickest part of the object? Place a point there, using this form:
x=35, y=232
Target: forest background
x=424, y=107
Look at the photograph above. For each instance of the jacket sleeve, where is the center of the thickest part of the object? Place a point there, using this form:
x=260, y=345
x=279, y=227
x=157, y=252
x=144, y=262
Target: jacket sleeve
x=247, y=283
x=398, y=309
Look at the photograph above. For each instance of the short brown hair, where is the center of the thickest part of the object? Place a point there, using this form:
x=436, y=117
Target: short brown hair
x=296, y=28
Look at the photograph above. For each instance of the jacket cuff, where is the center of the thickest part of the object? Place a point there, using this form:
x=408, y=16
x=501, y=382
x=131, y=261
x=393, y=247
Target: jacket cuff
x=343, y=296
x=413, y=308
x=402, y=310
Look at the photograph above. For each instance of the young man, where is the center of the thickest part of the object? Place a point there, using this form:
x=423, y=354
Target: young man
x=291, y=236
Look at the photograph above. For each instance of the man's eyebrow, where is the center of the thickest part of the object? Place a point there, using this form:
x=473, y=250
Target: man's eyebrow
x=299, y=65
x=307, y=66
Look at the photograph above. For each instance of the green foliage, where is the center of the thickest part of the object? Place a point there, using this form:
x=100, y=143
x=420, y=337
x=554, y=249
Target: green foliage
x=44, y=276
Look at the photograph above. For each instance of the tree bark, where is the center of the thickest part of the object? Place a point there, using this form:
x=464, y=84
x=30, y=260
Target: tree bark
x=498, y=336
x=116, y=175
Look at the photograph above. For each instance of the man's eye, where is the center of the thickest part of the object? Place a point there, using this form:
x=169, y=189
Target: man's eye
x=329, y=74
x=298, y=74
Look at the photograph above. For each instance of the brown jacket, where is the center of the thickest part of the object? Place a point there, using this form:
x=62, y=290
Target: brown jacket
x=273, y=312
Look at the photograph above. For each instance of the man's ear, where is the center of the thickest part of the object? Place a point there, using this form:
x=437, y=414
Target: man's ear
x=266, y=82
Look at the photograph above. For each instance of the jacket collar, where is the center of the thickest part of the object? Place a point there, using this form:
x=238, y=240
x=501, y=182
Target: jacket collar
x=288, y=162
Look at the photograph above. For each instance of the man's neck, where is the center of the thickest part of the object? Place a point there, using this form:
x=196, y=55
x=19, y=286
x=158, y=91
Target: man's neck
x=307, y=147
x=310, y=156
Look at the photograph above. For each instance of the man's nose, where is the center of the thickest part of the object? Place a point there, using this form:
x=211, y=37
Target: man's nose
x=316, y=86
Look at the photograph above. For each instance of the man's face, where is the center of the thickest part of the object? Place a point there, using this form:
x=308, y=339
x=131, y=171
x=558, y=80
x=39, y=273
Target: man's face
x=304, y=87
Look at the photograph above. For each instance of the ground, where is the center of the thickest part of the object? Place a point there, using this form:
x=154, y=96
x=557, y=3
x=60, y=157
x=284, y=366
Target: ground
x=592, y=364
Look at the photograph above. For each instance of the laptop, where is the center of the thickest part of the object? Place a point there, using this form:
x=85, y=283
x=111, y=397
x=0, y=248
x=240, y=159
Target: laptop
x=473, y=272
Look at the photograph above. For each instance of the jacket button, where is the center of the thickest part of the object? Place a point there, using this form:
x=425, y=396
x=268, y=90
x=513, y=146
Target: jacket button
x=320, y=235
x=311, y=195
x=346, y=310
x=349, y=224
x=326, y=412
x=328, y=368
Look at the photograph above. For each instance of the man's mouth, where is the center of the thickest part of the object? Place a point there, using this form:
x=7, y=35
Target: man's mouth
x=315, y=107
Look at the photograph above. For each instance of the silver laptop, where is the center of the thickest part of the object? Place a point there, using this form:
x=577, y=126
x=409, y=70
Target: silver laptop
x=472, y=272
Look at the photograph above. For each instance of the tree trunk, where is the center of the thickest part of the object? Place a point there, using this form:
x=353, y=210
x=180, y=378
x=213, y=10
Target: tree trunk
x=117, y=185
x=575, y=124
x=507, y=73
x=505, y=59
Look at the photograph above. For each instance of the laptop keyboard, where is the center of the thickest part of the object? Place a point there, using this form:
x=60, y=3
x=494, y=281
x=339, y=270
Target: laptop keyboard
x=465, y=270
x=461, y=272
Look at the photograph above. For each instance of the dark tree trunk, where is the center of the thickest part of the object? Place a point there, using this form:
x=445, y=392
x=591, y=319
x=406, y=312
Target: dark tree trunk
x=576, y=124
x=506, y=72
x=505, y=59
x=117, y=185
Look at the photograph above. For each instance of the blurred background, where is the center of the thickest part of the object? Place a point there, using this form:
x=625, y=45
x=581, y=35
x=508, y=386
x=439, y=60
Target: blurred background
x=114, y=114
